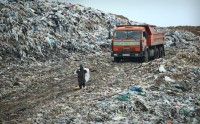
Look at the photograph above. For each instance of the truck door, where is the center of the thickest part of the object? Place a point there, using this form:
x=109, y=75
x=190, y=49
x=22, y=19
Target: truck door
x=144, y=40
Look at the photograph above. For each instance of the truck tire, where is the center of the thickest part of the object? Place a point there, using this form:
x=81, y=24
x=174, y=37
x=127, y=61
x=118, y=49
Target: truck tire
x=161, y=52
x=156, y=54
x=146, y=56
x=117, y=59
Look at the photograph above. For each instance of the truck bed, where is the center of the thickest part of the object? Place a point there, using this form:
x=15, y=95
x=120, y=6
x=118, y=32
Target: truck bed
x=155, y=39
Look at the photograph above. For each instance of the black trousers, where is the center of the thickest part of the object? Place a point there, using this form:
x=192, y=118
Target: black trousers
x=81, y=83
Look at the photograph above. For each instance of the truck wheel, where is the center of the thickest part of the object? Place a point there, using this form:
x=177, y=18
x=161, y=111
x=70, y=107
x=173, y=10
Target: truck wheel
x=161, y=52
x=156, y=54
x=146, y=56
x=117, y=59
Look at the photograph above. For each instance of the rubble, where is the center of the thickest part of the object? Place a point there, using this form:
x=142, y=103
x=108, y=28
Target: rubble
x=37, y=76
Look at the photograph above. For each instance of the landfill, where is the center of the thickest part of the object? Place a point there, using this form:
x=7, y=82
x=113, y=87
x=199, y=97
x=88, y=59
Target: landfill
x=49, y=31
x=42, y=44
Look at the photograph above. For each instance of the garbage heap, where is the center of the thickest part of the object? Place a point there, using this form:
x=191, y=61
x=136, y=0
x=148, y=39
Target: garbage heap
x=158, y=92
x=38, y=30
x=162, y=91
x=174, y=37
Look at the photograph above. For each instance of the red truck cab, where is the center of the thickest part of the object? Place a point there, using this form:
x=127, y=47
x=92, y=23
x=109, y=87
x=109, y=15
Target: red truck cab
x=141, y=41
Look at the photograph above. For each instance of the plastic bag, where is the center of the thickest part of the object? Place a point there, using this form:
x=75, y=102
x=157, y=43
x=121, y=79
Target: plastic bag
x=87, y=75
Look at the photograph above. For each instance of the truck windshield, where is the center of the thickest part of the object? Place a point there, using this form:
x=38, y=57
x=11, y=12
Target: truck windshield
x=126, y=34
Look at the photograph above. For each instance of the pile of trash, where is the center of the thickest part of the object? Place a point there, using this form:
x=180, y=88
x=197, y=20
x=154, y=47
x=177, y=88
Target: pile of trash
x=160, y=91
x=174, y=37
x=164, y=90
x=194, y=29
x=38, y=30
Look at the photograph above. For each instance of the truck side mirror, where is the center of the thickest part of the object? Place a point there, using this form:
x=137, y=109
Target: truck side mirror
x=145, y=34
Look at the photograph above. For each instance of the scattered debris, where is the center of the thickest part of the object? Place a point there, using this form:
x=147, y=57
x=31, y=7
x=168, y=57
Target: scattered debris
x=41, y=44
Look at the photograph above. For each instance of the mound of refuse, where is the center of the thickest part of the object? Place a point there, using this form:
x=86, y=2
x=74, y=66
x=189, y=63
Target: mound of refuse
x=54, y=39
x=174, y=37
x=194, y=29
x=36, y=30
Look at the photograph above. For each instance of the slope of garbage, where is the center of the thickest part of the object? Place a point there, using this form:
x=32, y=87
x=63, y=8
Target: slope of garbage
x=43, y=31
x=40, y=55
x=194, y=29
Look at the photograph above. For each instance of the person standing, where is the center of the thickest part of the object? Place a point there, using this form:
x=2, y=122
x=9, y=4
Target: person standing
x=81, y=76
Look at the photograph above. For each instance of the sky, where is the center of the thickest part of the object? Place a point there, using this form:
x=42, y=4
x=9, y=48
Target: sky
x=157, y=12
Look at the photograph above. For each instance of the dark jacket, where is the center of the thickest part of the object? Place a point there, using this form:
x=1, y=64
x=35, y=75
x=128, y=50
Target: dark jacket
x=81, y=75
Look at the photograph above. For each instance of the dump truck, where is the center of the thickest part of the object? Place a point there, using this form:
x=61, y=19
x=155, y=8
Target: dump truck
x=137, y=41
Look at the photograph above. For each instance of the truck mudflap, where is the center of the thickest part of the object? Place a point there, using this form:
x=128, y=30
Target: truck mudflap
x=125, y=54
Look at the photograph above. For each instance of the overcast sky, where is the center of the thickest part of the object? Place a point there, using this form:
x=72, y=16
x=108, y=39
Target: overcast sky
x=157, y=12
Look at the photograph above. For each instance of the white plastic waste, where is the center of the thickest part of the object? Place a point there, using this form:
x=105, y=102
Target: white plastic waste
x=87, y=75
x=118, y=118
x=162, y=69
x=168, y=79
